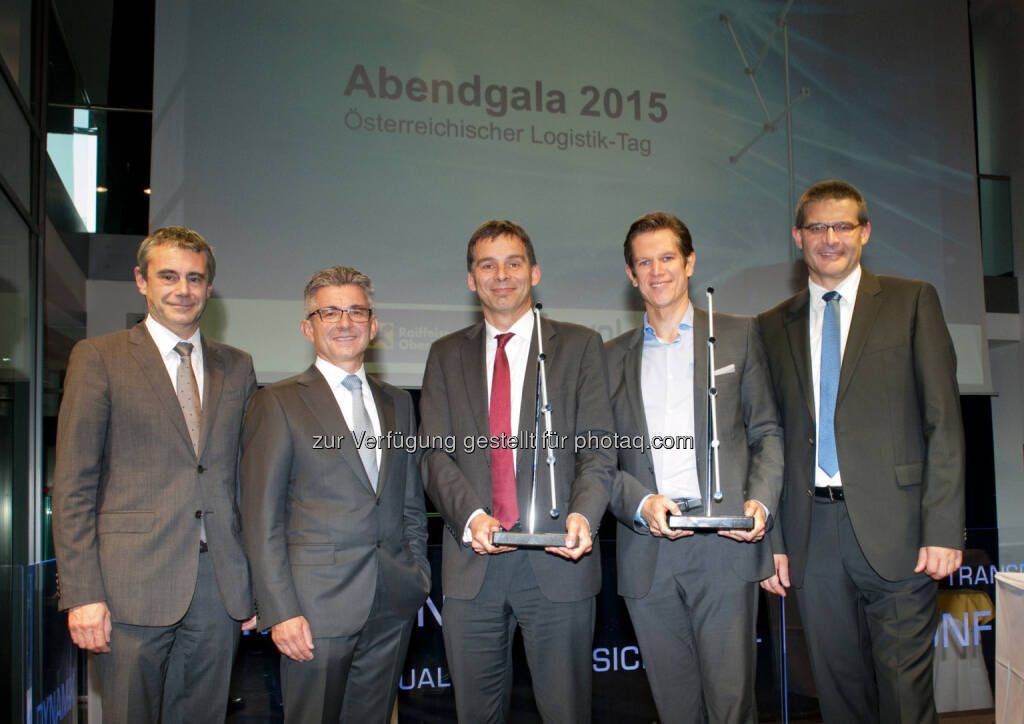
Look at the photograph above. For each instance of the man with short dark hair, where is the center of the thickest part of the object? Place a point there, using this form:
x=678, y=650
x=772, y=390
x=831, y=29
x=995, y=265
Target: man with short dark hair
x=873, y=508
x=333, y=516
x=482, y=381
x=145, y=497
x=692, y=598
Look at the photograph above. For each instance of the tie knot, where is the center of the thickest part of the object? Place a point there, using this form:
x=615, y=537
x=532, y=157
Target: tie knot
x=352, y=383
x=830, y=296
x=184, y=349
x=503, y=339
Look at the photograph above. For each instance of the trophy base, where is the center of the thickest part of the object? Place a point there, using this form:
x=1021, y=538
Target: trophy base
x=528, y=540
x=712, y=522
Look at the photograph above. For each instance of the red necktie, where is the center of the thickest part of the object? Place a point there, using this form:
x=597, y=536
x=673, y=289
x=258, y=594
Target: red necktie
x=503, y=472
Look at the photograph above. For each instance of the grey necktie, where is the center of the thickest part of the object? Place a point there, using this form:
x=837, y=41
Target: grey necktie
x=188, y=393
x=361, y=427
x=191, y=407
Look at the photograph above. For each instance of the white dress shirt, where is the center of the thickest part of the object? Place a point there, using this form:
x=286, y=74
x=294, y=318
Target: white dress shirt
x=334, y=376
x=517, y=350
x=165, y=341
x=666, y=381
x=848, y=298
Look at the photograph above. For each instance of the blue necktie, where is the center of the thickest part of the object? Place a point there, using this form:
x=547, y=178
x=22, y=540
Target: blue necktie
x=828, y=460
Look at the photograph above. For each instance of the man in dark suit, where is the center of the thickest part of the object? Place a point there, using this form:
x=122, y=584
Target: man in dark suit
x=692, y=598
x=333, y=515
x=145, y=509
x=872, y=512
x=482, y=381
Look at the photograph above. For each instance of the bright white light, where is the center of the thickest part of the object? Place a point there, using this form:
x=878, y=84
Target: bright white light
x=75, y=157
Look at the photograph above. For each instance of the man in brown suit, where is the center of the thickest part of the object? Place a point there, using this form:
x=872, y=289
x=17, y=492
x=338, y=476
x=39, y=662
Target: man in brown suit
x=146, y=523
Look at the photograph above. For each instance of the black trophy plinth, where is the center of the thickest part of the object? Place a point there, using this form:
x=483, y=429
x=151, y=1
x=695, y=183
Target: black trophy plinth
x=710, y=522
x=528, y=540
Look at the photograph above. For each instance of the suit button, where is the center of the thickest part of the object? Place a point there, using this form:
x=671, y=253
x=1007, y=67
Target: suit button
x=378, y=501
x=199, y=514
x=378, y=544
x=810, y=441
x=201, y=469
x=809, y=493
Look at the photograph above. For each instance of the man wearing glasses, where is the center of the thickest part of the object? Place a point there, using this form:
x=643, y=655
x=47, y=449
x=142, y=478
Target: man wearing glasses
x=333, y=515
x=872, y=512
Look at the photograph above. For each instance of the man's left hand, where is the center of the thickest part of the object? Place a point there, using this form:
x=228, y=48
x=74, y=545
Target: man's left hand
x=938, y=562
x=249, y=625
x=751, y=509
x=578, y=532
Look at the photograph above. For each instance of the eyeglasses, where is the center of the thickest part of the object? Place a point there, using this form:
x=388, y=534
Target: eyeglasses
x=330, y=315
x=842, y=228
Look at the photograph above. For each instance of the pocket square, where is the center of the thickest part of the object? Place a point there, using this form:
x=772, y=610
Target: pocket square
x=727, y=370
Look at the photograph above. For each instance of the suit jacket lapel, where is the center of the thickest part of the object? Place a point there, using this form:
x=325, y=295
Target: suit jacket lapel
x=869, y=301
x=700, y=394
x=798, y=325
x=213, y=385
x=632, y=370
x=320, y=399
x=385, y=405
x=474, y=355
x=146, y=354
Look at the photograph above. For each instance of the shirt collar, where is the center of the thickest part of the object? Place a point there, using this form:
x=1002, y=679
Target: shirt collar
x=522, y=328
x=334, y=374
x=847, y=288
x=685, y=324
x=165, y=339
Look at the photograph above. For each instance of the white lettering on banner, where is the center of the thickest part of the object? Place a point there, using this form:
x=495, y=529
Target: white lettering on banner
x=428, y=604
x=58, y=704
x=626, y=658
x=967, y=635
x=982, y=575
x=425, y=679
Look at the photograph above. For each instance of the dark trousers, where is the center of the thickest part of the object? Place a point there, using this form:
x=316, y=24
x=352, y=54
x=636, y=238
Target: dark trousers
x=171, y=674
x=871, y=640
x=351, y=678
x=478, y=636
x=696, y=630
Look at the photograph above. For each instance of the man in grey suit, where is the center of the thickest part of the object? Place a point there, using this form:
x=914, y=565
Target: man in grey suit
x=333, y=515
x=482, y=381
x=149, y=554
x=872, y=512
x=692, y=598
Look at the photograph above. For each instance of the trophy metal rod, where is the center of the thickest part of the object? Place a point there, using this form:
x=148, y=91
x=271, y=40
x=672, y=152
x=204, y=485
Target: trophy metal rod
x=533, y=485
x=542, y=378
x=532, y=539
x=707, y=522
x=713, y=441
